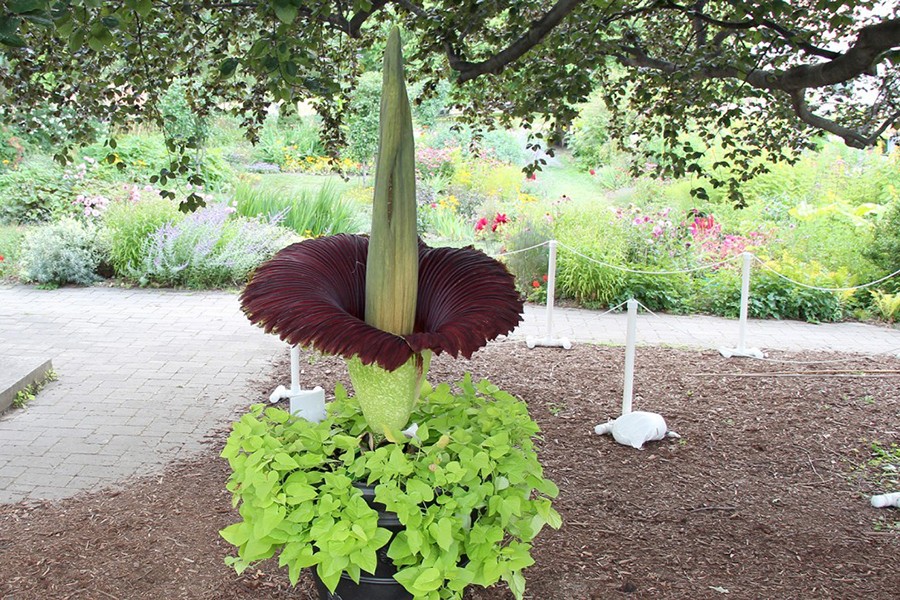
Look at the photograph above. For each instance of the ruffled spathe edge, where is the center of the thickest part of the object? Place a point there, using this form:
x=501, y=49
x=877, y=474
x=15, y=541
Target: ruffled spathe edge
x=312, y=294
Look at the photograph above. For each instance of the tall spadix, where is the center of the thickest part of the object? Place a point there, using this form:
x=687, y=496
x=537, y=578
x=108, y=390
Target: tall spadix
x=392, y=269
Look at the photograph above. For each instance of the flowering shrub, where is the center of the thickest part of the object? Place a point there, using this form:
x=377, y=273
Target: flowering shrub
x=650, y=237
x=91, y=206
x=708, y=240
x=432, y=162
x=209, y=249
x=64, y=252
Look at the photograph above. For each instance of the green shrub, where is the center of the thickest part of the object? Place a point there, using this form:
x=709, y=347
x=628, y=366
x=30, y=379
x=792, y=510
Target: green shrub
x=502, y=145
x=593, y=234
x=288, y=138
x=129, y=225
x=589, y=137
x=139, y=157
x=143, y=155
x=884, y=248
x=208, y=249
x=716, y=292
x=11, y=239
x=441, y=221
x=426, y=112
x=181, y=122
x=35, y=192
x=362, y=121
x=887, y=305
x=531, y=265
x=63, y=252
x=311, y=214
x=773, y=297
x=835, y=237
x=656, y=292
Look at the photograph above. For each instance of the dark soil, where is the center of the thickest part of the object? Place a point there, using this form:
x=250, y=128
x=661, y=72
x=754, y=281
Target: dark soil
x=764, y=496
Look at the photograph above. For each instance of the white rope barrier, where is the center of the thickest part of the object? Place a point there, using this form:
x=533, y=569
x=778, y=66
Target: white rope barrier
x=825, y=289
x=639, y=272
x=746, y=257
x=511, y=252
x=892, y=352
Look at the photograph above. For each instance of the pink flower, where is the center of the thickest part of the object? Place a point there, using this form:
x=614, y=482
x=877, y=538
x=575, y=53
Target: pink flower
x=481, y=224
x=657, y=231
x=501, y=218
x=592, y=172
x=532, y=177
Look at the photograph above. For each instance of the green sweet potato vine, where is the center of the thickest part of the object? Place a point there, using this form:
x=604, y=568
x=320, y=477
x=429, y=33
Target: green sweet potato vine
x=468, y=488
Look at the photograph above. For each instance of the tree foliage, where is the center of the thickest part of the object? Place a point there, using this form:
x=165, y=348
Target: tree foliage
x=758, y=78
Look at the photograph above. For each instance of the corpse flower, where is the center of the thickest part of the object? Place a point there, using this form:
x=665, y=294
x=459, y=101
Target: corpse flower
x=388, y=302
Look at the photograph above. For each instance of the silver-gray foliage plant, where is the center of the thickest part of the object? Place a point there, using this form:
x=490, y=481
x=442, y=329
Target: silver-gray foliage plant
x=67, y=251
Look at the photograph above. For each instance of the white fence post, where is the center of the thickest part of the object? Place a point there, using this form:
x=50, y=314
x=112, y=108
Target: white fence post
x=742, y=349
x=307, y=404
x=630, y=340
x=295, y=369
x=549, y=340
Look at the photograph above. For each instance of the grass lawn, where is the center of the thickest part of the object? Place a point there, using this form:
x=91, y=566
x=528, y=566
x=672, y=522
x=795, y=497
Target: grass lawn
x=567, y=178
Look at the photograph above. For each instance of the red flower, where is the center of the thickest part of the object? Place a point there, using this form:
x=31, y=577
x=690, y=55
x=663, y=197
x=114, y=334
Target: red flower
x=592, y=172
x=544, y=278
x=481, y=224
x=536, y=283
x=1, y=258
x=532, y=177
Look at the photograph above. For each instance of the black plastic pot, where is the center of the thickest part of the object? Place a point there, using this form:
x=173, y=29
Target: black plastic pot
x=381, y=585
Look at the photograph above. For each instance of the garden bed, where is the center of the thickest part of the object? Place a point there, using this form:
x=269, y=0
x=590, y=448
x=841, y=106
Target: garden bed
x=765, y=494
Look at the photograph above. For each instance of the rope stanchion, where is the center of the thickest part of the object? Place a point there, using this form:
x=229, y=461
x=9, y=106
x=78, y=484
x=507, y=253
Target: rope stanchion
x=549, y=341
x=630, y=340
x=742, y=350
x=309, y=404
x=747, y=258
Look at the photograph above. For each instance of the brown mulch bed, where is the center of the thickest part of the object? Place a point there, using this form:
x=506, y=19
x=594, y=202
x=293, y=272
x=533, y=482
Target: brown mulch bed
x=763, y=496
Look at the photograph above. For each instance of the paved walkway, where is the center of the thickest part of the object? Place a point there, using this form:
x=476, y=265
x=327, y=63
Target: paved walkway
x=146, y=375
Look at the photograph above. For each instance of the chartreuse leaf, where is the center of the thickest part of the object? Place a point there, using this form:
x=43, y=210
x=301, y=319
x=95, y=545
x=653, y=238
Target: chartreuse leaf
x=236, y=534
x=419, y=491
x=330, y=568
x=442, y=532
x=516, y=583
x=428, y=580
x=293, y=483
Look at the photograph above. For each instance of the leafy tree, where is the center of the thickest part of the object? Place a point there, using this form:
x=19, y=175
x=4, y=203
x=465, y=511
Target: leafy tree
x=761, y=78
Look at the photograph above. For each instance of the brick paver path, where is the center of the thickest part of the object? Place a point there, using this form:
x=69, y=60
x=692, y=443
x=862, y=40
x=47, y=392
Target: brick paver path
x=145, y=375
